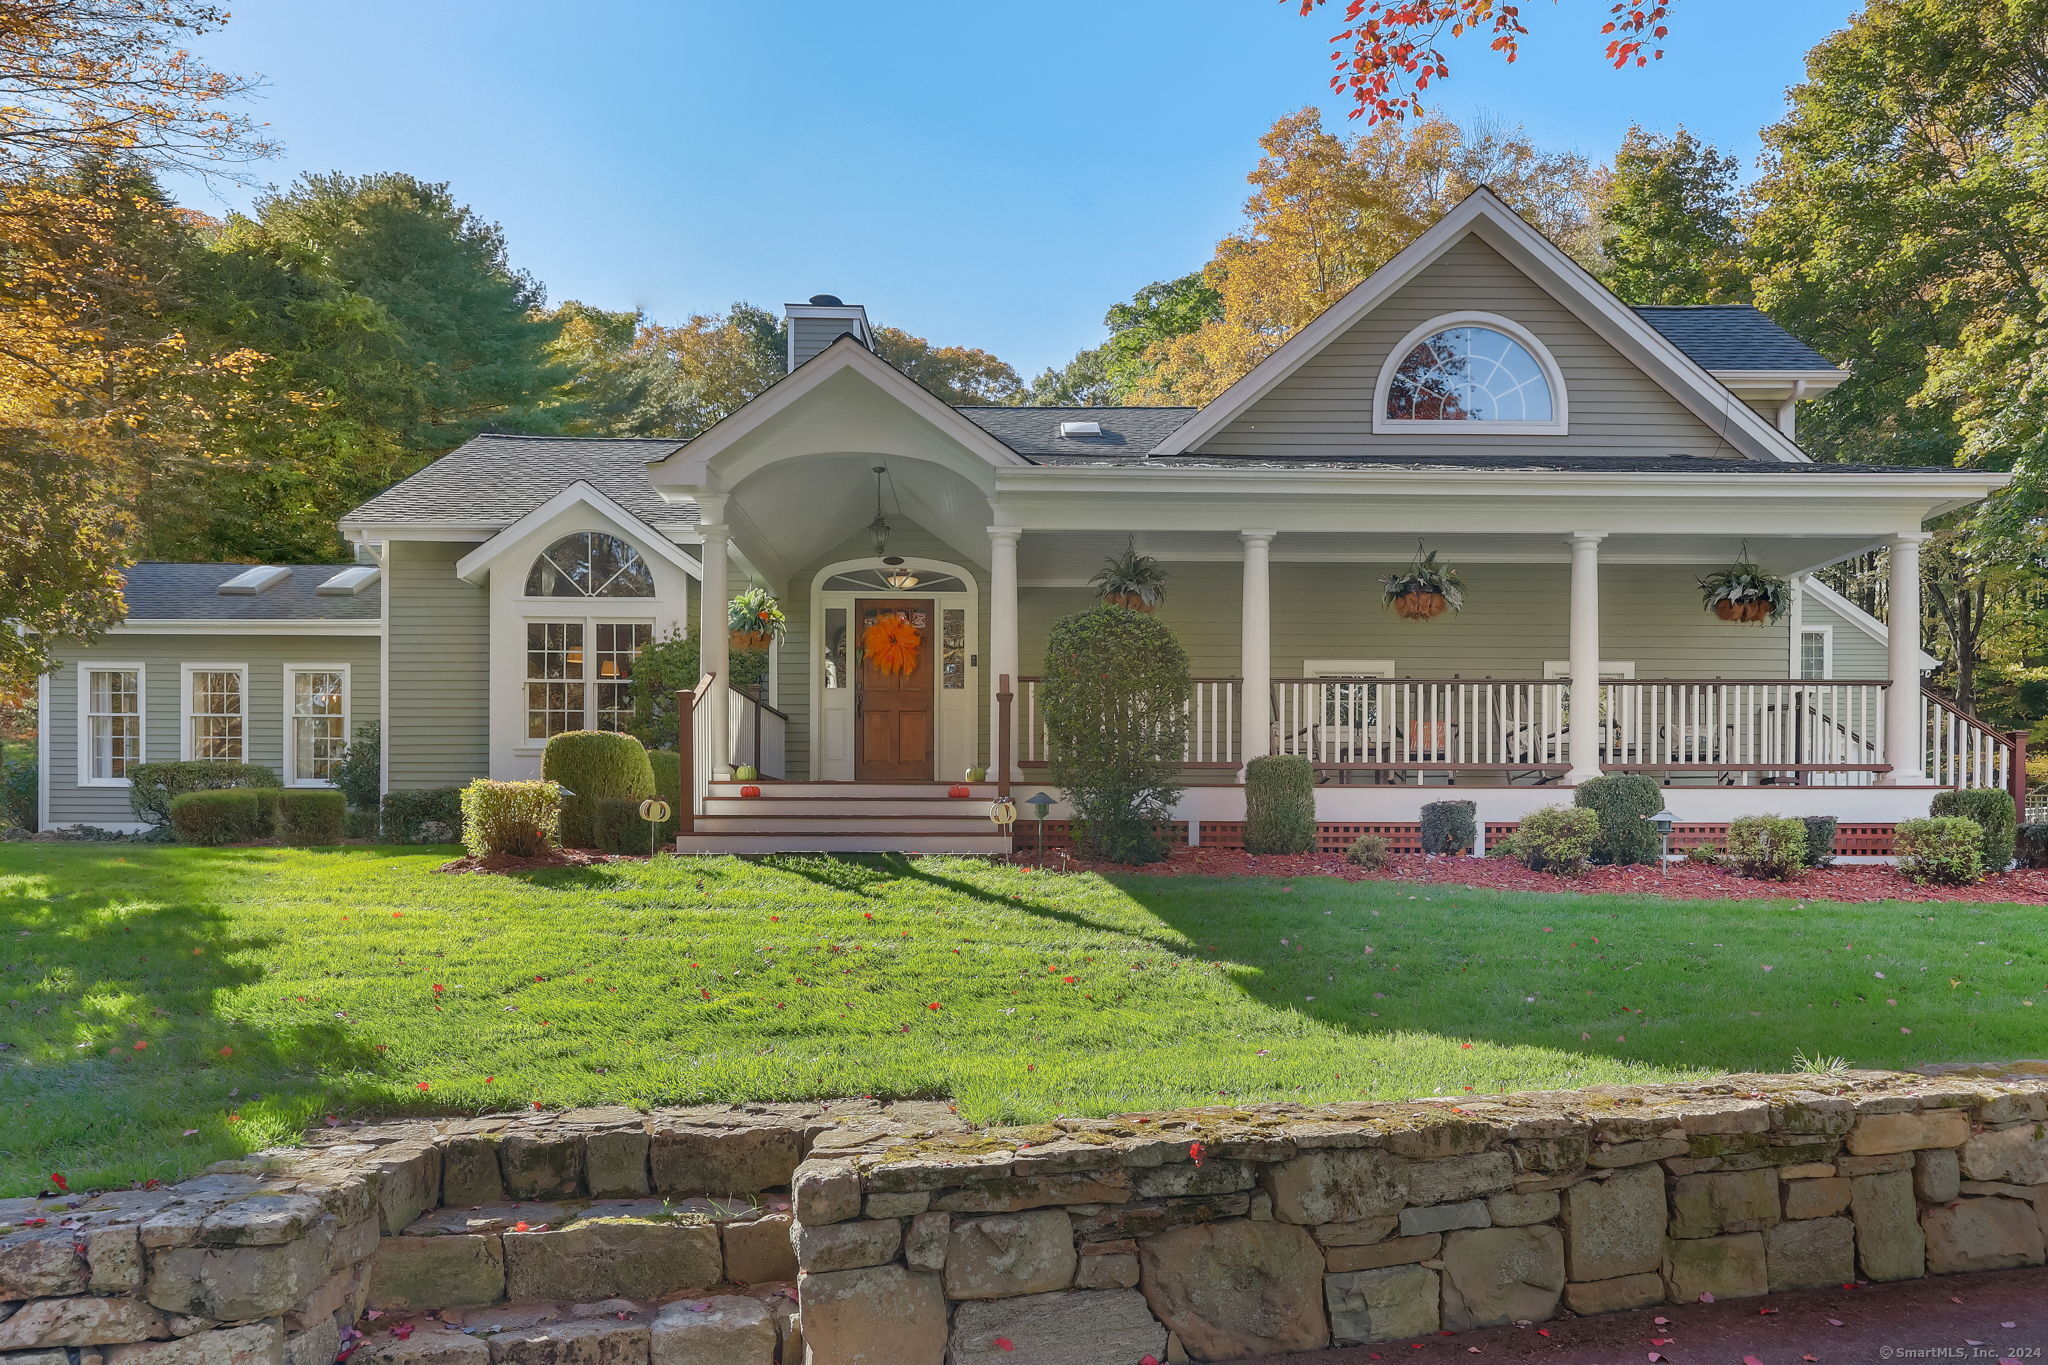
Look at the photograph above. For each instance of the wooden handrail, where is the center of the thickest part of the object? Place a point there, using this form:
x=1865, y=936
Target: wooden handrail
x=686, y=752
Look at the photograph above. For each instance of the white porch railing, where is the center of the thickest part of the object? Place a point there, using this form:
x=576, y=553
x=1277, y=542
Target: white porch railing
x=1212, y=723
x=1396, y=723
x=1962, y=752
x=1821, y=732
x=756, y=733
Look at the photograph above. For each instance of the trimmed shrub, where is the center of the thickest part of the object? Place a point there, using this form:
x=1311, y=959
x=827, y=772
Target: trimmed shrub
x=1820, y=840
x=1279, y=805
x=1707, y=855
x=153, y=786
x=2031, y=845
x=1557, y=839
x=224, y=815
x=1772, y=847
x=514, y=819
x=1993, y=811
x=1114, y=693
x=1622, y=801
x=1947, y=850
x=1450, y=826
x=668, y=785
x=619, y=828
x=359, y=773
x=362, y=824
x=1371, y=852
x=408, y=813
x=311, y=815
x=594, y=765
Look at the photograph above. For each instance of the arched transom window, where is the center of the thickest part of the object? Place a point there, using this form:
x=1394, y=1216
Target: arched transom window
x=589, y=564
x=1472, y=372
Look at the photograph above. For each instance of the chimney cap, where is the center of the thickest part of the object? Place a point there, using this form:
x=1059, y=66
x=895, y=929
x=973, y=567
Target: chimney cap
x=827, y=301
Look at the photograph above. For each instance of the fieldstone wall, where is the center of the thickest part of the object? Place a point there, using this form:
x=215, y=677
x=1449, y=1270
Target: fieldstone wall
x=860, y=1233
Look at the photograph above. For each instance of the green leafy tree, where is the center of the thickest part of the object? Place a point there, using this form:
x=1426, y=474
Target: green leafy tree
x=1155, y=314
x=962, y=375
x=1668, y=222
x=1082, y=382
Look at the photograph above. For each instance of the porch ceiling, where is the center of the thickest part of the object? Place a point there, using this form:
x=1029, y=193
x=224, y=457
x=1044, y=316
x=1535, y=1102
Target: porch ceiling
x=787, y=514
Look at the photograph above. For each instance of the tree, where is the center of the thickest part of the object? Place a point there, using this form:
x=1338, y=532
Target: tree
x=959, y=375
x=1325, y=212
x=1395, y=45
x=1082, y=382
x=1668, y=222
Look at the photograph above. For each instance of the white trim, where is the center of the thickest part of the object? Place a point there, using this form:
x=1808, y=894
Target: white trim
x=1347, y=668
x=1560, y=670
x=244, y=626
x=1859, y=618
x=185, y=672
x=288, y=767
x=473, y=566
x=85, y=671
x=1482, y=212
x=1559, y=423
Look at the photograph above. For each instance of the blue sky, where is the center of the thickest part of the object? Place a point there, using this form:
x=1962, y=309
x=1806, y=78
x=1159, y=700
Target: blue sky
x=987, y=174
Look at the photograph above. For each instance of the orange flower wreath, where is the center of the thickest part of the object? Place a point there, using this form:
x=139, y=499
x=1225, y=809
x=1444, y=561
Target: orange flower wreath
x=891, y=644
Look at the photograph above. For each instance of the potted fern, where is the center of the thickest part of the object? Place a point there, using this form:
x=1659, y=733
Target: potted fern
x=1745, y=592
x=1425, y=589
x=755, y=619
x=1131, y=580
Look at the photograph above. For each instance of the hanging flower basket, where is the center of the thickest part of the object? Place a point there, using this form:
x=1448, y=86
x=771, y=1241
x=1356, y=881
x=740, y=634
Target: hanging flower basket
x=1130, y=580
x=891, y=644
x=754, y=619
x=1744, y=593
x=1425, y=589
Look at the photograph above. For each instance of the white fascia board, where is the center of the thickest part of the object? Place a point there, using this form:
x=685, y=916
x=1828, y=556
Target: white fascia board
x=1484, y=213
x=1776, y=382
x=199, y=625
x=420, y=530
x=472, y=566
x=1856, y=616
x=686, y=467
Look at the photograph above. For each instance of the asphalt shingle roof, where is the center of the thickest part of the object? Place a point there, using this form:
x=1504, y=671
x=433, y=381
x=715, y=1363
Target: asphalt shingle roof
x=1033, y=432
x=1732, y=336
x=157, y=591
x=495, y=480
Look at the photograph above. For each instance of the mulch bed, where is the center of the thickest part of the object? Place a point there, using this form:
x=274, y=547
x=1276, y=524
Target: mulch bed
x=1680, y=881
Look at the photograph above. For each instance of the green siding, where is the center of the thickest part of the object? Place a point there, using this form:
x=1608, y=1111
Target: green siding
x=161, y=657
x=1857, y=653
x=438, y=730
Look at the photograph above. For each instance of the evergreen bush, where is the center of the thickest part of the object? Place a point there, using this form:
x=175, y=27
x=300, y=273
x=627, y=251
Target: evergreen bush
x=1450, y=826
x=668, y=786
x=671, y=665
x=1772, y=847
x=359, y=774
x=1623, y=801
x=1992, y=809
x=1820, y=840
x=1557, y=839
x=153, y=786
x=363, y=824
x=2031, y=845
x=1114, y=693
x=619, y=828
x=513, y=819
x=311, y=815
x=219, y=815
x=1371, y=852
x=1279, y=805
x=594, y=765
x=1947, y=850
x=19, y=791
x=408, y=813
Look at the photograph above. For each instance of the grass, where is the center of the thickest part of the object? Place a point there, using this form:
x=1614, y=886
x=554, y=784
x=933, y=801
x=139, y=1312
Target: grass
x=162, y=1007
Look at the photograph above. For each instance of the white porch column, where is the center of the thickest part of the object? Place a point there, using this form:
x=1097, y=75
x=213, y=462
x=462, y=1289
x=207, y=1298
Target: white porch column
x=1905, y=749
x=1002, y=634
x=714, y=650
x=1255, y=654
x=1584, y=737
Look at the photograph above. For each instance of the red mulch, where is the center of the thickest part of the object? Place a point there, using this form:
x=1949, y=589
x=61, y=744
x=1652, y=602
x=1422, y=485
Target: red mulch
x=501, y=863
x=1680, y=881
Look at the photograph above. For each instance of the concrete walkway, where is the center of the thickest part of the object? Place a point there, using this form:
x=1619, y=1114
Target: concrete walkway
x=1987, y=1318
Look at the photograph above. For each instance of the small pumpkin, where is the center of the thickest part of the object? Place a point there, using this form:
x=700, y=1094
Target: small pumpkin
x=750, y=791
x=959, y=789
x=745, y=772
x=977, y=774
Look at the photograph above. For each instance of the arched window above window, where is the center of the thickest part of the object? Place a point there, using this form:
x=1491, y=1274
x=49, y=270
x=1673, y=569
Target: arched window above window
x=1465, y=373
x=589, y=564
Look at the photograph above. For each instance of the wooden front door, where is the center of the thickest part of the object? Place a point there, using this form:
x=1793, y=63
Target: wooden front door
x=893, y=720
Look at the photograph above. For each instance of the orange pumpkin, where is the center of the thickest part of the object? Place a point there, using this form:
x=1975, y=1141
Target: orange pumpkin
x=959, y=789
x=750, y=790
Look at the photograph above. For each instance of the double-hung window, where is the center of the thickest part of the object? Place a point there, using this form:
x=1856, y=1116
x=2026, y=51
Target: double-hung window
x=579, y=674
x=215, y=712
x=316, y=722
x=1816, y=652
x=110, y=723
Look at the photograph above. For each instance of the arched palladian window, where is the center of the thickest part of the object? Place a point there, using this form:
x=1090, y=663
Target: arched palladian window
x=589, y=564
x=1467, y=373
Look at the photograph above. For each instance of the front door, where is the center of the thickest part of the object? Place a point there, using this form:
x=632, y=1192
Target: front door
x=893, y=703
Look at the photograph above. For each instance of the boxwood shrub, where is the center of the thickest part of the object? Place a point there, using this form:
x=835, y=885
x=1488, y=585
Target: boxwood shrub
x=1772, y=847
x=1993, y=811
x=222, y=815
x=1279, y=805
x=594, y=765
x=311, y=815
x=1623, y=801
x=1450, y=826
x=153, y=786
x=1371, y=852
x=1944, y=849
x=618, y=827
x=668, y=786
x=408, y=815
x=513, y=819
x=1557, y=839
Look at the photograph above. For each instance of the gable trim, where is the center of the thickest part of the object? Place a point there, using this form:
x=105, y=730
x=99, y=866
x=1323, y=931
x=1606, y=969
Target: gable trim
x=1483, y=213
x=472, y=566
x=1841, y=606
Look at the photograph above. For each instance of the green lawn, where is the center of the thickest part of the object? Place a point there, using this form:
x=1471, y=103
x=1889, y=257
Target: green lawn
x=147, y=991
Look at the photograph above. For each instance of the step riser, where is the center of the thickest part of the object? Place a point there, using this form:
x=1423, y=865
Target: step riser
x=860, y=820
x=983, y=845
x=850, y=791
x=767, y=806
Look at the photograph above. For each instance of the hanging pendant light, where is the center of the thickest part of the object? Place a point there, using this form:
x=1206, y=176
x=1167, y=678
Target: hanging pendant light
x=878, y=529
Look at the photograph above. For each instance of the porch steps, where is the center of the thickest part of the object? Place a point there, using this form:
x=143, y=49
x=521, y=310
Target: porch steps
x=846, y=817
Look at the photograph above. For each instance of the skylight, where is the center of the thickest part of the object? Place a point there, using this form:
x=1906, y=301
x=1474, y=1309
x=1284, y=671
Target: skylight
x=1080, y=428
x=349, y=582
x=249, y=582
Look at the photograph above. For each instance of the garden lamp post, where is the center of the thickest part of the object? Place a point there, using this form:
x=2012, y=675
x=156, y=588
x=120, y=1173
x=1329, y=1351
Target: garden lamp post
x=1663, y=820
x=1041, y=806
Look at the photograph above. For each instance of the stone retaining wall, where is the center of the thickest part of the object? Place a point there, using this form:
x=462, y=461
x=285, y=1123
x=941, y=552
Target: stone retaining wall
x=611, y=1237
